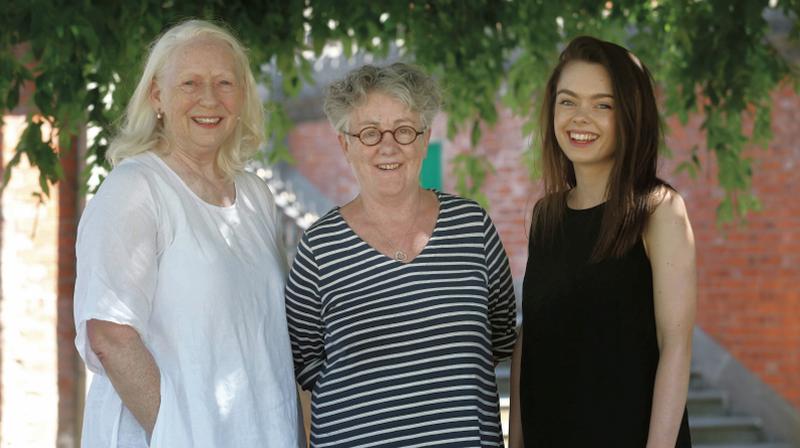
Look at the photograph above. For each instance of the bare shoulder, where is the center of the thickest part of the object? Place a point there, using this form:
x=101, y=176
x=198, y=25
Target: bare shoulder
x=668, y=224
x=670, y=207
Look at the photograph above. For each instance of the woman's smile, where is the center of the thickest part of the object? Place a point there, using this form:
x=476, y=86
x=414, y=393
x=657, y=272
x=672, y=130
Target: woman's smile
x=581, y=138
x=207, y=122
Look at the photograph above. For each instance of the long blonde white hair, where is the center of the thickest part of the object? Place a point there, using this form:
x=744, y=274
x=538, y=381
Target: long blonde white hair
x=142, y=131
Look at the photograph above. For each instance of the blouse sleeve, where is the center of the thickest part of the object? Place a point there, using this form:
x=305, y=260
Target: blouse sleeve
x=275, y=226
x=116, y=254
x=304, y=315
x=502, y=302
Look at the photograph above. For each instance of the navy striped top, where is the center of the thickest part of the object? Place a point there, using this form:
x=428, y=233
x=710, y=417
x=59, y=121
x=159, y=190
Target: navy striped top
x=402, y=355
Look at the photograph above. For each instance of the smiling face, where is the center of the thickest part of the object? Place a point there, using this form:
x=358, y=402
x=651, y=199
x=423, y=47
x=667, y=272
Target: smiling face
x=387, y=169
x=200, y=95
x=584, y=119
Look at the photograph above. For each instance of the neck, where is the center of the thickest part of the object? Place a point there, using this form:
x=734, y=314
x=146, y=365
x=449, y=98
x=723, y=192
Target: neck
x=403, y=207
x=591, y=185
x=202, y=163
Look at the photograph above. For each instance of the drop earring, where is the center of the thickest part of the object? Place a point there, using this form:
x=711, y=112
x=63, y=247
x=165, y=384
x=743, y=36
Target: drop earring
x=159, y=115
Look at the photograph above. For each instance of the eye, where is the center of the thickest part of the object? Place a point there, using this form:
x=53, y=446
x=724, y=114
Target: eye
x=566, y=102
x=405, y=131
x=604, y=106
x=369, y=133
x=225, y=86
x=188, y=85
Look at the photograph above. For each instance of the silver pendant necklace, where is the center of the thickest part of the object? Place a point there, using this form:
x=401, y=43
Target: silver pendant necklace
x=399, y=254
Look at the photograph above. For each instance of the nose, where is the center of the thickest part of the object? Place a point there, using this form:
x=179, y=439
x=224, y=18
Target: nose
x=580, y=116
x=387, y=142
x=388, y=146
x=208, y=96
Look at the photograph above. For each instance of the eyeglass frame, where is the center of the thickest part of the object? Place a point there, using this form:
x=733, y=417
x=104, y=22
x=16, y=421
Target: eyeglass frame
x=394, y=136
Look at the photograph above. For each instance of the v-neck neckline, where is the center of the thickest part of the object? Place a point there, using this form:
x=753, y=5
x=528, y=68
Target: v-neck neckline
x=410, y=261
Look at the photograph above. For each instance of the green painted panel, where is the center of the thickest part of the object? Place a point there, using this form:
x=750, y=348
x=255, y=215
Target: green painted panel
x=431, y=174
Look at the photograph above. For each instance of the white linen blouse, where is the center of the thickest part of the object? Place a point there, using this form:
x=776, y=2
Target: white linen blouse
x=203, y=287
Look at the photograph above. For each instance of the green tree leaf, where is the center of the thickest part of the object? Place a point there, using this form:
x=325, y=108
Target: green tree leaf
x=711, y=58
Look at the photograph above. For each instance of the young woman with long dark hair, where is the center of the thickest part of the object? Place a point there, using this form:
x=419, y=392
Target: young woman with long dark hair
x=610, y=287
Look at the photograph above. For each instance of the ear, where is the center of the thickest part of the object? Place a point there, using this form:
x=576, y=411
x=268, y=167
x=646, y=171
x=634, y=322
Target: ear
x=426, y=139
x=155, y=96
x=344, y=145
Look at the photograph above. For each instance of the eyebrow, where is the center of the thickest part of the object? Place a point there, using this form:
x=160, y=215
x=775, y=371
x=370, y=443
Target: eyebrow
x=374, y=123
x=595, y=96
x=196, y=72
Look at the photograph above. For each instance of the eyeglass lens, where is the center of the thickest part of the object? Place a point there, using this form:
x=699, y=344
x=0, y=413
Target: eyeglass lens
x=403, y=135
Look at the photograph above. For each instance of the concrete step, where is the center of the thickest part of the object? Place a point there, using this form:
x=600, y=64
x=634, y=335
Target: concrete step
x=696, y=380
x=707, y=402
x=725, y=429
x=710, y=425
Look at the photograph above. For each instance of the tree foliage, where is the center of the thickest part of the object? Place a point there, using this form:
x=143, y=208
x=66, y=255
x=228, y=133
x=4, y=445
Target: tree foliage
x=711, y=57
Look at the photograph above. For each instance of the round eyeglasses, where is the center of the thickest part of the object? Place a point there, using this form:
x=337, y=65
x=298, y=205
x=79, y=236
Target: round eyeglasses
x=371, y=136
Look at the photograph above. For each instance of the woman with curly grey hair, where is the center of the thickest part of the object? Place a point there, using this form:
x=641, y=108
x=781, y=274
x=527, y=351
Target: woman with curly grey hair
x=400, y=302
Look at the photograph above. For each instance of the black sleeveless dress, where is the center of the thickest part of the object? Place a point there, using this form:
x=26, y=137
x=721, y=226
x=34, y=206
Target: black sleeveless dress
x=589, y=350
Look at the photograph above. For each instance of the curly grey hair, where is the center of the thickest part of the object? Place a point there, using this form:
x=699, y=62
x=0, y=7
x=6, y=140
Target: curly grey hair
x=407, y=83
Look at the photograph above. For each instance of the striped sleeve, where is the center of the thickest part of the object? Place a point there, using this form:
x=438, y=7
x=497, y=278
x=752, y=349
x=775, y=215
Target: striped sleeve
x=502, y=302
x=303, y=314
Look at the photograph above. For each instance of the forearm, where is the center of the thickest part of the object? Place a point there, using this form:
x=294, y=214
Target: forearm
x=131, y=369
x=515, y=439
x=669, y=396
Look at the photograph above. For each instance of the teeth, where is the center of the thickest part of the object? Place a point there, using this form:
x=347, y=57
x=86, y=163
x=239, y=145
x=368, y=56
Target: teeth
x=583, y=137
x=206, y=120
x=389, y=166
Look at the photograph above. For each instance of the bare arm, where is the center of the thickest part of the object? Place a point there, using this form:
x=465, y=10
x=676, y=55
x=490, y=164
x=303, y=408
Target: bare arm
x=670, y=246
x=515, y=439
x=130, y=367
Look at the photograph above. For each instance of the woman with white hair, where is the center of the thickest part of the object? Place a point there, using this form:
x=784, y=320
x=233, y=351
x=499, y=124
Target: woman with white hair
x=179, y=296
x=400, y=303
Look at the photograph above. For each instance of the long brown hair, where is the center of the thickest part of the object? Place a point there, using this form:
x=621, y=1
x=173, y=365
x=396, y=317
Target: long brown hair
x=633, y=181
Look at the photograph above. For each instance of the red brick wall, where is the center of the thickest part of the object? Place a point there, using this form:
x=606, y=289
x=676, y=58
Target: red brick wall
x=70, y=366
x=66, y=196
x=319, y=157
x=748, y=275
x=748, y=299
x=30, y=271
x=510, y=191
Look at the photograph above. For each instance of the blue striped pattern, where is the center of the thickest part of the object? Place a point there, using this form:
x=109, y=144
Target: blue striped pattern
x=402, y=355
